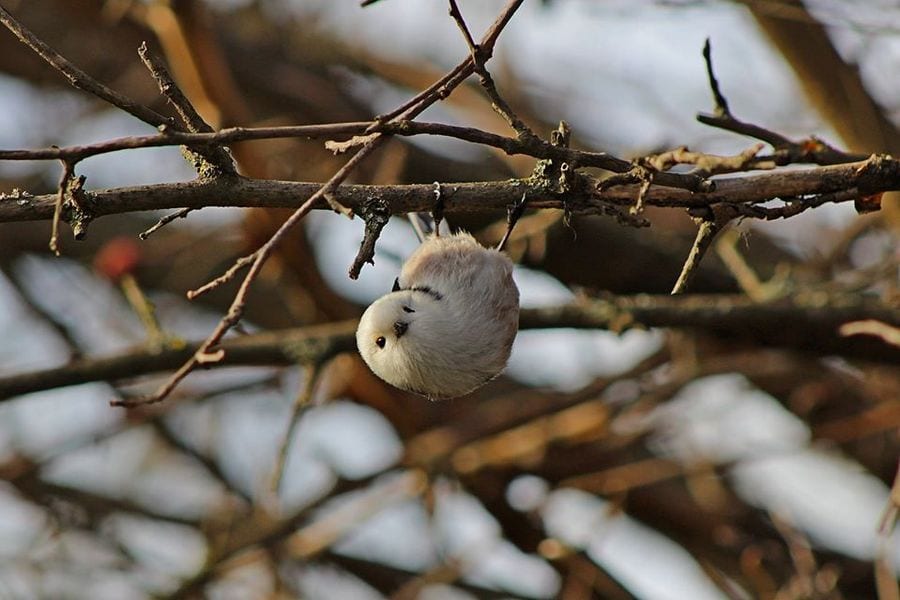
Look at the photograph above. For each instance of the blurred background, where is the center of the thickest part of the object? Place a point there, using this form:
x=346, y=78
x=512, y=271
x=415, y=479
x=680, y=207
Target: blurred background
x=659, y=464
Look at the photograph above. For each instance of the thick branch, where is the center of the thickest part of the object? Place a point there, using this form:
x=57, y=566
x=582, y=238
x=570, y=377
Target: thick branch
x=846, y=181
x=807, y=322
x=305, y=345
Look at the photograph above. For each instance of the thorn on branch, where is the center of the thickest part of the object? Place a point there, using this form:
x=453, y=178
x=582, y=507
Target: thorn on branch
x=721, y=109
x=376, y=215
x=705, y=235
x=513, y=214
x=69, y=198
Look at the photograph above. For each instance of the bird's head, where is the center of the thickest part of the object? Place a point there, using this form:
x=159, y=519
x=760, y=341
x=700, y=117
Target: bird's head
x=395, y=335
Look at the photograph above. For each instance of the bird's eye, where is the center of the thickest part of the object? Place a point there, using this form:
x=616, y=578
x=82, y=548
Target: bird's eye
x=380, y=341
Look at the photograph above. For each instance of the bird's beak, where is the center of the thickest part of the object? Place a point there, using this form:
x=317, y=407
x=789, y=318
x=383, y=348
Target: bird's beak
x=400, y=328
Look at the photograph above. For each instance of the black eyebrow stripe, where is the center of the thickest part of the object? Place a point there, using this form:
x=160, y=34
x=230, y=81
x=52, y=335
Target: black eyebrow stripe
x=427, y=290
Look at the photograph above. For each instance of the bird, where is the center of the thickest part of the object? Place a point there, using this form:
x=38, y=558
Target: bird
x=447, y=326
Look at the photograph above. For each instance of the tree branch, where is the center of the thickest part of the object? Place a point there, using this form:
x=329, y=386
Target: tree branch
x=808, y=322
x=79, y=78
x=530, y=146
x=800, y=187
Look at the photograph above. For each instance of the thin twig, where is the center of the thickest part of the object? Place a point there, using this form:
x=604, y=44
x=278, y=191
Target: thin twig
x=145, y=311
x=529, y=146
x=514, y=213
x=442, y=87
x=224, y=277
x=311, y=375
x=261, y=530
x=722, y=116
x=67, y=174
x=721, y=109
x=746, y=277
x=179, y=214
x=321, y=534
x=888, y=333
x=788, y=151
x=499, y=105
x=77, y=77
x=210, y=161
x=167, y=86
x=207, y=352
x=705, y=234
x=167, y=433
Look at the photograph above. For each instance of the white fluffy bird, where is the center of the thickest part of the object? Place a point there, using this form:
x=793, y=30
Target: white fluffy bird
x=448, y=326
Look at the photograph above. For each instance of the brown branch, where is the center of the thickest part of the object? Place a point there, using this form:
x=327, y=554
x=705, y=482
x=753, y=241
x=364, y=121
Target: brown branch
x=224, y=278
x=262, y=530
x=163, y=221
x=170, y=437
x=302, y=345
x=67, y=174
x=91, y=502
x=311, y=376
x=167, y=86
x=376, y=215
x=77, y=77
x=212, y=161
x=500, y=106
x=814, y=323
x=442, y=88
x=802, y=188
x=889, y=334
x=712, y=164
x=387, y=578
x=812, y=150
x=529, y=146
x=833, y=86
x=721, y=109
x=207, y=353
x=706, y=232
